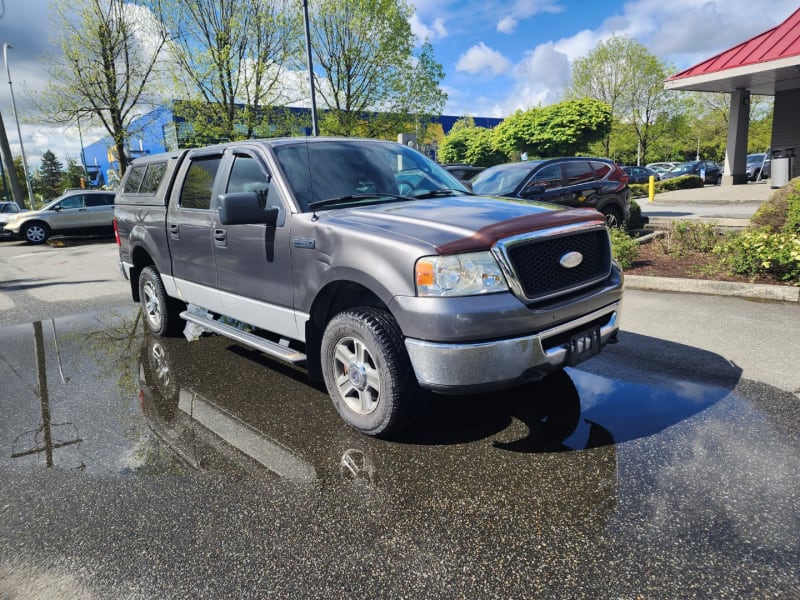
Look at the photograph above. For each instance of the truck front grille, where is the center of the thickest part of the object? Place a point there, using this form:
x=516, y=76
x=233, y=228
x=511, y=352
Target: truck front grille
x=534, y=261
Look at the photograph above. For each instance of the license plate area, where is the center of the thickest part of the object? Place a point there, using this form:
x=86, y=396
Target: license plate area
x=583, y=345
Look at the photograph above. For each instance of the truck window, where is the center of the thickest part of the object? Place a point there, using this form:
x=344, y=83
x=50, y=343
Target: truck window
x=152, y=179
x=197, y=187
x=134, y=179
x=248, y=176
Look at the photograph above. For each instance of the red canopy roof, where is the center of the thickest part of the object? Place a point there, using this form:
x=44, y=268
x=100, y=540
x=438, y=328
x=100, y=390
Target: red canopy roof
x=779, y=42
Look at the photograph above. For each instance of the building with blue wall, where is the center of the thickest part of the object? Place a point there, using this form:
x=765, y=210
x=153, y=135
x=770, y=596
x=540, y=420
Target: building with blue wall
x=163, y=129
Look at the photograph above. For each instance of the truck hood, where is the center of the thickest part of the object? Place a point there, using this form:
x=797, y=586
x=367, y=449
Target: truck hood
x=461, y=223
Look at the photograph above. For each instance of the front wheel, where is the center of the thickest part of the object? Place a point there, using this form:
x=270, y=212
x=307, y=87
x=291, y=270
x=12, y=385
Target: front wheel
x=161, y=313
x=36, y=233
x=367, y=371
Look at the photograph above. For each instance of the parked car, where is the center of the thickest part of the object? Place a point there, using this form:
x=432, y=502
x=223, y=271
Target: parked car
x=707, y=170
x=641, y=174
x=758, y=164
x=462, y=171
x=662, y=167
x=74, y=212
x=597, y=183
x=6, y=209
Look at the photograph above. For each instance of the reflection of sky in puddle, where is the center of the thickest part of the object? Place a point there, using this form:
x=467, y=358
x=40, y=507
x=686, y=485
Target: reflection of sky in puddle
x=635, y=410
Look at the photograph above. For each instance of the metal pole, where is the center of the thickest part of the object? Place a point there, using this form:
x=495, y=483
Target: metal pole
x=8, y=160
x=83, y=155
x=6, y=47
x=314, y=126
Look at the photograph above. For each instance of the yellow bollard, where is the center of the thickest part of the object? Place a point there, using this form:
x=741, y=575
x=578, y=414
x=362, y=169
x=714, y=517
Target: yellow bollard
x=651, y=192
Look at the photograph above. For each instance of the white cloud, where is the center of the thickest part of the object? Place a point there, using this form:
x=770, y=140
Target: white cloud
x=507, y=25
x=482, y=59
x=436, y=31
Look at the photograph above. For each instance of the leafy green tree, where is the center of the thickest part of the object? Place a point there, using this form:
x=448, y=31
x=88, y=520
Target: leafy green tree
x=371, y=79
x=48, y=182
x=623, y=74
x=73, y=175
x=231, y=59
x=562, y=129
x=473, y=145
x=110, y=53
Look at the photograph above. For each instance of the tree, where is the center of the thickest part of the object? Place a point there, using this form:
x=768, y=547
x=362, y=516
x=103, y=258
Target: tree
x=623, y=74
x=110, y=53
x=562, y=129
x=74, y=175
x=373, y=82
x=48, y=184
x=470, y=144
x=232, y=58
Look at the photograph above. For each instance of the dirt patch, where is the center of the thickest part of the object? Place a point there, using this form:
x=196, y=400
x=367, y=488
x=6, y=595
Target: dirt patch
x=653, y=261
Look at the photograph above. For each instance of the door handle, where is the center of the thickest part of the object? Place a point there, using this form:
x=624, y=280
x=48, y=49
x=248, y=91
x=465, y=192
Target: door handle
x=174, y=231
x=220, y=238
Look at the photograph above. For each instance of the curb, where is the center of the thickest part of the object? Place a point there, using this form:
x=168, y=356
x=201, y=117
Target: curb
x=755, y=291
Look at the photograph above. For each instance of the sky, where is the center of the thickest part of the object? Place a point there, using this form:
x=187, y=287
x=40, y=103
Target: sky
x=498, y=56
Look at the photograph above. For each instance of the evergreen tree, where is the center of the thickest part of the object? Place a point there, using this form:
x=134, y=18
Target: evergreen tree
x=48, y=182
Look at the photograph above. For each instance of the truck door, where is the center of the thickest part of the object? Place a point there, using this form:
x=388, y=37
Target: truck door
x=190, y=229
x=254, y=261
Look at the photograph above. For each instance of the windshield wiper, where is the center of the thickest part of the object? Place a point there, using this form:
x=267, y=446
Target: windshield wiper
x=439, y=193
x=354, y=198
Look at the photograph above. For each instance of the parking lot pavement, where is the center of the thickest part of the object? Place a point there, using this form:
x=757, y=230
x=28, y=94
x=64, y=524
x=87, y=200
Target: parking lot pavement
x=69, y=275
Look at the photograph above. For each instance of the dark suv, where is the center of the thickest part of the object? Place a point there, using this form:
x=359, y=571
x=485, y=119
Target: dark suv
x=597, y=183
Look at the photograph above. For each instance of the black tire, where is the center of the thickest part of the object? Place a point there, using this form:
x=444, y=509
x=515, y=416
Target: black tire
x=613, y=216
x=36, y=232
x=161, y=313
x=367, y=371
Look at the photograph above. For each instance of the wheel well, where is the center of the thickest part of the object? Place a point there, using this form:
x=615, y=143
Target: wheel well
x=35, y=222
x=331, y=300
x=140, y=259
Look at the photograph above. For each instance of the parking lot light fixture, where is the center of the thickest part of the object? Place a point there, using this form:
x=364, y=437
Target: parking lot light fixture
x=6, y=48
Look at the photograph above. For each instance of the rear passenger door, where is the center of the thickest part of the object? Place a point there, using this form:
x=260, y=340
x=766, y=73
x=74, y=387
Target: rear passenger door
x=190, y=229
x=100, y=209
x=581, y=183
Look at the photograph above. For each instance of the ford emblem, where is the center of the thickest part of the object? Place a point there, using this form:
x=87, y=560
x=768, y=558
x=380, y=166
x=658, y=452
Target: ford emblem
x=571, y=260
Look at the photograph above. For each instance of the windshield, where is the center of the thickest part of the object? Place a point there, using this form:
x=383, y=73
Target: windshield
x=755, y=158
x=502, y=179
x=322, y=172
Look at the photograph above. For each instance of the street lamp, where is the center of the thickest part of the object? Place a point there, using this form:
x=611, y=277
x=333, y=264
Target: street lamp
x=6, y=48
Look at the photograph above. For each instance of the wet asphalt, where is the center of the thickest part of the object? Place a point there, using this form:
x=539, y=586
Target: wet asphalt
x=136, y=467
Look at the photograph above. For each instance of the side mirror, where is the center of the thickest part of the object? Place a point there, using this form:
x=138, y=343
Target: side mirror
x=243, y=208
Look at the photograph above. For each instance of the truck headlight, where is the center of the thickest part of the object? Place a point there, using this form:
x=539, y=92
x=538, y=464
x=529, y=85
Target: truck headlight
x=459, y=275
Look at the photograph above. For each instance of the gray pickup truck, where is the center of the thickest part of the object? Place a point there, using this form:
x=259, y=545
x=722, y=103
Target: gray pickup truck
x=369, y=265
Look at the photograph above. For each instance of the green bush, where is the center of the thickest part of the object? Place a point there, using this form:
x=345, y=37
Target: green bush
x=624, y=248
x=762, y=252
x=686, y=237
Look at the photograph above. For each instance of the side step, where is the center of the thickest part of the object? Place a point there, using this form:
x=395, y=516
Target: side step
x=268, y=347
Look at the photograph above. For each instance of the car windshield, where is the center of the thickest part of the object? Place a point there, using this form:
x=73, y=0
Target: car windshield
x=685, y=167
x=755, y=158
x=502, y=179
x=330, y=172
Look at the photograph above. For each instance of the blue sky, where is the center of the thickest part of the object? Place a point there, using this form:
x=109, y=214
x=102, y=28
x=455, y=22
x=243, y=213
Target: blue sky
x=498, y=56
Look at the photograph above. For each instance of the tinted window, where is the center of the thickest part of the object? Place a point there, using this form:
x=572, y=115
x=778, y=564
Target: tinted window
x=248, y=176
x=134, y=179
x=152, y=179
x=99, y=199
x=9, y=208
x=197, y=187
x=549, y=177
x=578, y=171
x=601, y=169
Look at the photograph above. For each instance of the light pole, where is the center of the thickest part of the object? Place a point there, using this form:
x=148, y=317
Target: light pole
x=6, y=47
x=314, y=125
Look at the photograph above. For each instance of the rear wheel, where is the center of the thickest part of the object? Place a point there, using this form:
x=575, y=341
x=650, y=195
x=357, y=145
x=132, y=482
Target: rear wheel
x=36, y=233
x=613, y=216
x=367, y=371
x=161, y=313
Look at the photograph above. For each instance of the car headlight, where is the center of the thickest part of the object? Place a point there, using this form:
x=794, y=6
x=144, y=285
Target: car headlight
x=459, y=275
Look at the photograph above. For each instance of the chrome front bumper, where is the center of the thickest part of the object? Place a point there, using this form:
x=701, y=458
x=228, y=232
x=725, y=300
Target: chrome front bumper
x=456, y=368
